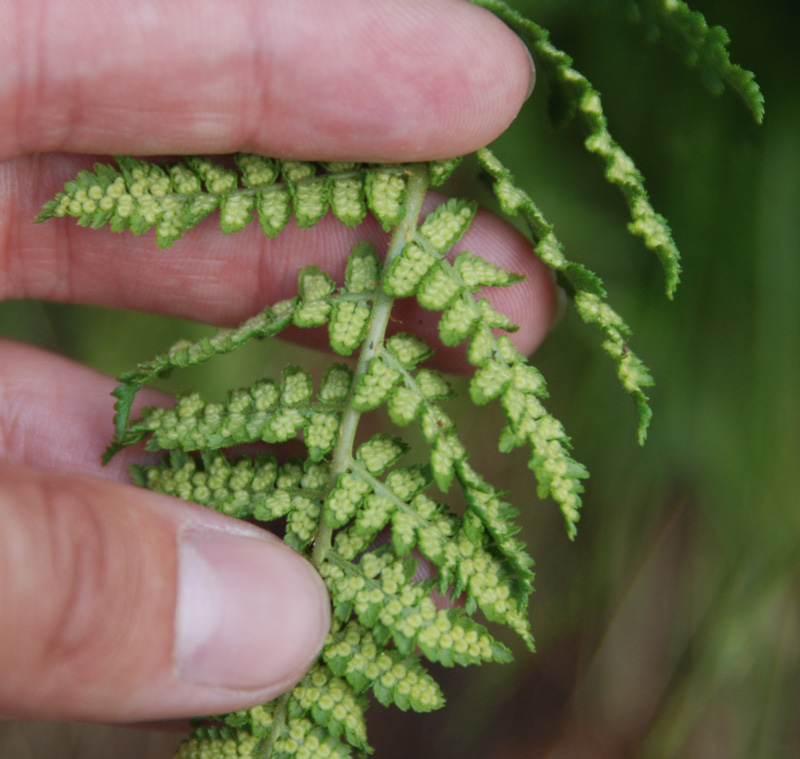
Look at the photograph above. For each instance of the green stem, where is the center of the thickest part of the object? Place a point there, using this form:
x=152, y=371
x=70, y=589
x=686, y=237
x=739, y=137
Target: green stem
x=379, y=321
x=264, y=748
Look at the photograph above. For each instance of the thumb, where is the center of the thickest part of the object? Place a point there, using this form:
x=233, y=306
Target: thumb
x=117, y=604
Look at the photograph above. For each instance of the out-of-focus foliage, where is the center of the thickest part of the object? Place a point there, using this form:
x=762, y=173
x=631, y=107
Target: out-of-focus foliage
x=671, y=627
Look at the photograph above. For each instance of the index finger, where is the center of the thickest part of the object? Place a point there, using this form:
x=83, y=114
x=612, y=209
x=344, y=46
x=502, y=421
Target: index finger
x=351, y=80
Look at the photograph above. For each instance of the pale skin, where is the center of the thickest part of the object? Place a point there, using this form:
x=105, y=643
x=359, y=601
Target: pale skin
x=104, y=584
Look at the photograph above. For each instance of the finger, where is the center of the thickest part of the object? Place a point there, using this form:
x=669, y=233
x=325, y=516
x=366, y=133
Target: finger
x=350, y=80
x=213, y=277
x=118, y=604
x=57, y=414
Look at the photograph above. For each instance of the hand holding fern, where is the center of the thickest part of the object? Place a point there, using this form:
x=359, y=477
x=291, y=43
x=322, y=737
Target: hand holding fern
x=94, y=567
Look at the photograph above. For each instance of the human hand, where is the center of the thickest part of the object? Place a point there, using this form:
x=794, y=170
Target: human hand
x=119, y=604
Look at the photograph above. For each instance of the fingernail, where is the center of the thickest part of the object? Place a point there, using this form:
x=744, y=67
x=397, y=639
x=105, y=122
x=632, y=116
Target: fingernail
x=251, y=613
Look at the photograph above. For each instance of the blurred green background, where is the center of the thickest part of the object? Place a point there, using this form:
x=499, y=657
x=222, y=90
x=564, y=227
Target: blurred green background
x=671, y=626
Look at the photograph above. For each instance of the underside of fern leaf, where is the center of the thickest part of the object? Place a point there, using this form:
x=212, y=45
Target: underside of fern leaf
x=367, y=510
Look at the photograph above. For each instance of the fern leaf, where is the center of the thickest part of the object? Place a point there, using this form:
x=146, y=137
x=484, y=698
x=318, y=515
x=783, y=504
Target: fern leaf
x=236, y=211
x=588, y=292
x=213, y=742
x=347, y=198
x=352, y=653
x=408, y=350
x=405, y=406
x=380, y=452
x=268, y=323
x=345, y=498
x=379, y=593
x=477, y=272
x=444, y=226
x=440, y=230
x=496, y=519
x=574, y=95
x=459, y=320
x=498, y=582
x=437, y=289
x=332, y=703
x=440, y=171
x=140, y=195
x=433, y=386
x=267, y=411
x=408, y=270
x=335, y=384
x=375, y=385
x=507, y=377
x=290, y=726
x=244, y=487
x=384, y=501
x=702, y=46
x=256, y=171
x=274, y=207
x=348, y=326
x=363, y=270
x=386, y=189
x=631, y=371
x=318, y=302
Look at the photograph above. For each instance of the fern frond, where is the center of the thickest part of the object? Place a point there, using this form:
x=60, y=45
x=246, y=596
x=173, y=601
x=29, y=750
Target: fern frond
x=268, y=323
x=333, y=704
x=245, y=487
x=328, y=704
x=225, y=742
x=465, y=318
x=378, y=591
x=268, y=412
x=440, y=230
x=587, y=289
x=337, y=502
x=363, y=508
x=700, y=45
x=394, y=678
x=346, y=310
x=139, y=195
x=507, y=377
x=367, y=518
x=290, y=726
x=572, y=94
